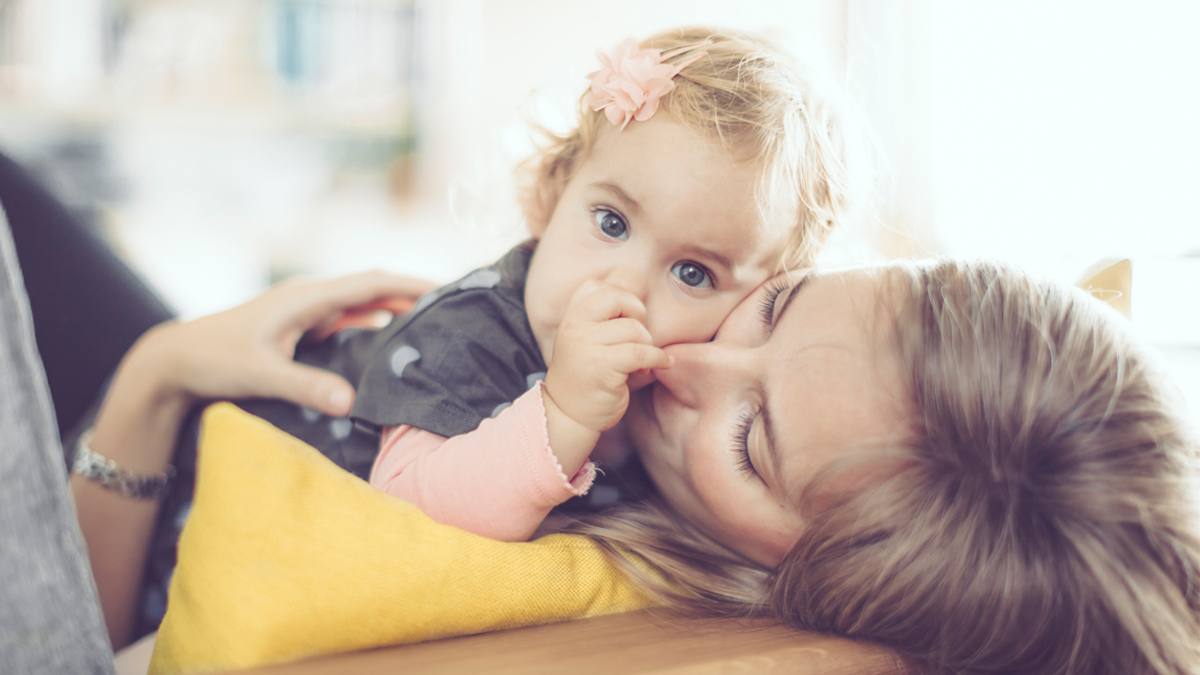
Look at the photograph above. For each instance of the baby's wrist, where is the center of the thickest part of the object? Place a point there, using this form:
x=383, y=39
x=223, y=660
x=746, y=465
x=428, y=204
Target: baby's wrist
x=570, y=440
x=553, y=408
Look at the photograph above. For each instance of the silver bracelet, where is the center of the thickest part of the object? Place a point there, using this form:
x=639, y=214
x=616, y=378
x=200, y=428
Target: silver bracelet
x=95, y=466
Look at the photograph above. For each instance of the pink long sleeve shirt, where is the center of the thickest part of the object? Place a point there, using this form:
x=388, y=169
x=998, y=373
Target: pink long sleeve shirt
x=499, y=481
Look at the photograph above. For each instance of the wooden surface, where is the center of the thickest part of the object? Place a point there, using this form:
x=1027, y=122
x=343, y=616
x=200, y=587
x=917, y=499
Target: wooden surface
x=635, y=642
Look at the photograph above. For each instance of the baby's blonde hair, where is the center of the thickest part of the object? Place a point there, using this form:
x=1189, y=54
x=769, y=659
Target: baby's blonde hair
x=760, y=106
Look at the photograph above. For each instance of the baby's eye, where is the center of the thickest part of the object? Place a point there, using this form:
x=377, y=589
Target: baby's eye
x=612, y=225
x=692, y=275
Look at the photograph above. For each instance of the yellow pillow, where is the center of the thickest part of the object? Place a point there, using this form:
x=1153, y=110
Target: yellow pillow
x=286, y=556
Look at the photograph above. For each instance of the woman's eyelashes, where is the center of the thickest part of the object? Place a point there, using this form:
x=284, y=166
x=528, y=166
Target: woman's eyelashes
x=741, y=442
x=766, y=303
x=611, y=224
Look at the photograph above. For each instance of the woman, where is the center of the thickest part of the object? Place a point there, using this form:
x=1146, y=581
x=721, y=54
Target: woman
x=988, y=475
x=975, y=469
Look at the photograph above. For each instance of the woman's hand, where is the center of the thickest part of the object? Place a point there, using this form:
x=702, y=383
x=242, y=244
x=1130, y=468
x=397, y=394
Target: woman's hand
x=247, y=351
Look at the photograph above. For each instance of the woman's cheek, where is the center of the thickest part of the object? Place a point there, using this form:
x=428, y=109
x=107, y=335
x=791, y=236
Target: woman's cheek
x=712, y=466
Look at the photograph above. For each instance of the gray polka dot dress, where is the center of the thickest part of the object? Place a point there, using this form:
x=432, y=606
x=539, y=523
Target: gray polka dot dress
x=464, y=353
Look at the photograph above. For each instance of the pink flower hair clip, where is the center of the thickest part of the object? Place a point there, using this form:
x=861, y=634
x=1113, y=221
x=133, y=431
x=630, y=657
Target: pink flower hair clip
x=631, y=81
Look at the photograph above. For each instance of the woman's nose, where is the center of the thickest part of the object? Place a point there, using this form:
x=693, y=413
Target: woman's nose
x=701, y=370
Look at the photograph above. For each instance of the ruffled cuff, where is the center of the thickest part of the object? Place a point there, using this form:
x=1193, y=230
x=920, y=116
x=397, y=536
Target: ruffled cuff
x=532, y=407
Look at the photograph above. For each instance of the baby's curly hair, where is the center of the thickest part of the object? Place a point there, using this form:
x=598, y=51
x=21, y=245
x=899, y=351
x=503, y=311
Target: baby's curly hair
x=759, y=104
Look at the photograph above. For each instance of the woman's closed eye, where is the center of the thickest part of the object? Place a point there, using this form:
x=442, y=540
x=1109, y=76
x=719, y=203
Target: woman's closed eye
x=766, y=302
x=741, y=443
x=611, y=224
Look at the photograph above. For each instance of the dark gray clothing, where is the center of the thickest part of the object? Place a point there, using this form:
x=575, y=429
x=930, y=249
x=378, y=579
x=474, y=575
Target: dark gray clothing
x=464, y=353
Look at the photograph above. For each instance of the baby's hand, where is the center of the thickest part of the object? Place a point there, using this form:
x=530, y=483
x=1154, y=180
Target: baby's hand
x=600, y=341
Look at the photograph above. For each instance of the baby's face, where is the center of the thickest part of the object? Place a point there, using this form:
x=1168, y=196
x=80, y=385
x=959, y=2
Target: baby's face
x=675, y=213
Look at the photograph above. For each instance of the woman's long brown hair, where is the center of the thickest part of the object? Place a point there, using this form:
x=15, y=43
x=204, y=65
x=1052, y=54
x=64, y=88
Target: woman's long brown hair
x=1041, y=517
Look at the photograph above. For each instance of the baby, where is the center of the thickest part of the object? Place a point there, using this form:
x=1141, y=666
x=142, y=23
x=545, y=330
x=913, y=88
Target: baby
x=702, y=165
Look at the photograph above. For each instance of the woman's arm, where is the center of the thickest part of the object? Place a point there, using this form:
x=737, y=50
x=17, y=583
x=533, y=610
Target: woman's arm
x=246, y=351
x=136, y=428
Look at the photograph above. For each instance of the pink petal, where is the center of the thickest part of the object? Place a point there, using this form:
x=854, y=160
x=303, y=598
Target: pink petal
x=621, y=99
x=625, y=50
x=631, y=81
x=594, y=101
x=647, y=110
x=616, y=116
x=641, y=73
x=658, y=87
x=599, y=88
x=635, y=93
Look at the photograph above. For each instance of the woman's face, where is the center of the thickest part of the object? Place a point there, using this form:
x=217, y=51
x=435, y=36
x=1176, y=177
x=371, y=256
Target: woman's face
x=798, y=373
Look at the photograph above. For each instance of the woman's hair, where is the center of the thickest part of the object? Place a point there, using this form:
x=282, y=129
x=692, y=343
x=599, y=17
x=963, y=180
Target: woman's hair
x=759, y=105
x=1041, y=516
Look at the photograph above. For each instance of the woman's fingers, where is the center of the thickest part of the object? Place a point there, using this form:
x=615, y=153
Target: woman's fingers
x=395, y=305
x=322, y=300
x=310, y=387
x=371, y=315
x=248, y=350
x=300, y=305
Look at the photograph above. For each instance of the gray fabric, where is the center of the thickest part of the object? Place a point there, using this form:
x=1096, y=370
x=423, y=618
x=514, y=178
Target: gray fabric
x=50, y=620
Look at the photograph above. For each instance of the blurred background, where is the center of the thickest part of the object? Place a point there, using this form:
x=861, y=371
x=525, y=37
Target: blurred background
x=225, y=144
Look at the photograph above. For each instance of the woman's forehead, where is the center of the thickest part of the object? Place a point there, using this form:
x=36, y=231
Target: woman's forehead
x=836, y=384
x=840, y=297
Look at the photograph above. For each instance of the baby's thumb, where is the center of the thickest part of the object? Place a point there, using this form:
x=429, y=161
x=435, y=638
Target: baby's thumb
x=313, y=388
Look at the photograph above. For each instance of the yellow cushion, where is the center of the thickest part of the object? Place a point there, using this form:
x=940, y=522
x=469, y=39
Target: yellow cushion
x=286, y=556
